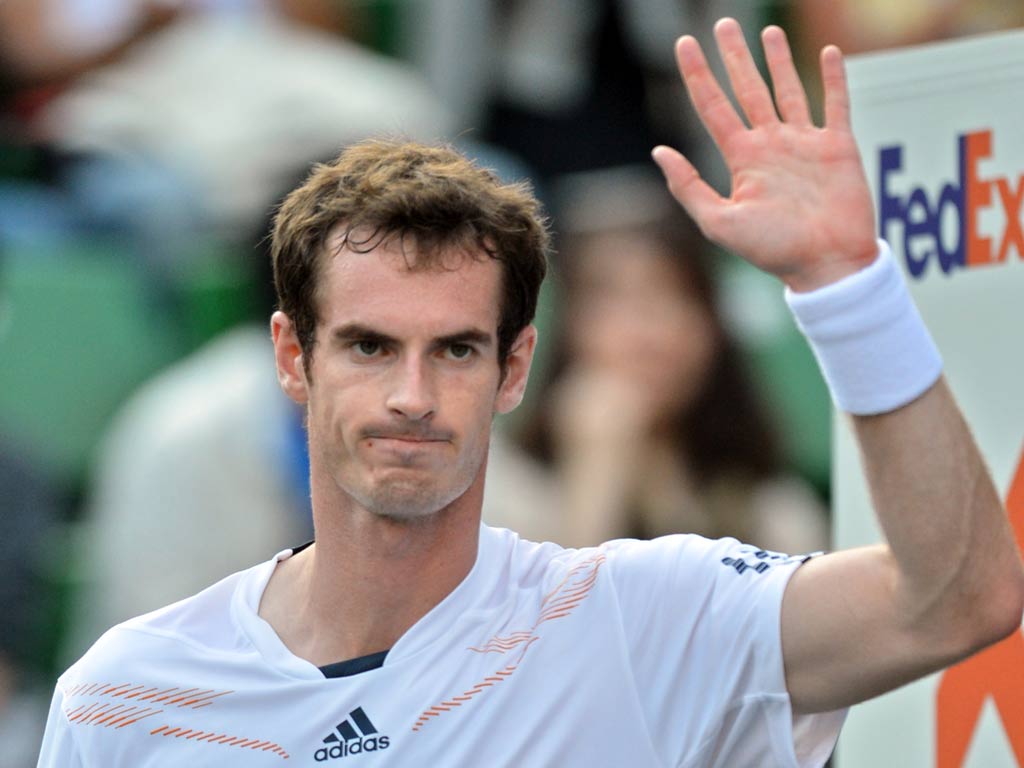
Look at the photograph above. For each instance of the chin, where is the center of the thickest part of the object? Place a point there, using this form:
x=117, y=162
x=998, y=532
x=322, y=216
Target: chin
x=409, y=502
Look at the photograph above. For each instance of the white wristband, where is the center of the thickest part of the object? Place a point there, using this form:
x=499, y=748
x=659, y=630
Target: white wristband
x=872, y=346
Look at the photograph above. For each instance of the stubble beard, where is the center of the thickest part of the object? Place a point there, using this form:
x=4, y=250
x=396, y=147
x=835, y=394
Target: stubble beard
x=406, y=500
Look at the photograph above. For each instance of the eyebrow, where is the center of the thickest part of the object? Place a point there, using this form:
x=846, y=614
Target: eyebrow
x=358, y=332
x=468, y=336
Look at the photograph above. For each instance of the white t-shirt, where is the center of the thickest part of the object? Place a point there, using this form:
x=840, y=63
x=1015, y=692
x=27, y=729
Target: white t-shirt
x=660, y=653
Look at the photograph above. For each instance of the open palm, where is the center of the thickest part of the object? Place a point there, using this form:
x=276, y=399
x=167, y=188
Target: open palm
x=799, y=206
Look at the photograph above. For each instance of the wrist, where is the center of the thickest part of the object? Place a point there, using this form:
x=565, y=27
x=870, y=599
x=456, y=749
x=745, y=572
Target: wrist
x=826, y=270
x=871, y=344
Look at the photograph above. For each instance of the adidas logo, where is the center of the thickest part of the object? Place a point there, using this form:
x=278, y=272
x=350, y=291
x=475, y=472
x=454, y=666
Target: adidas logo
x=352, y=738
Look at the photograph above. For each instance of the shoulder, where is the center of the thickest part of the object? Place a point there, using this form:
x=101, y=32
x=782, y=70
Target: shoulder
x=672, y=591
x=688, y=570
x=679, y=560
x=201, y=626
x=683, y=582
x=691, y=555
x=527, y=564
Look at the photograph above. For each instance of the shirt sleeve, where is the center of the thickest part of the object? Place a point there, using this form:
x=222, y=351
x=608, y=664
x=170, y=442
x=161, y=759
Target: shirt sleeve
x=58, y=749
x=702, y=625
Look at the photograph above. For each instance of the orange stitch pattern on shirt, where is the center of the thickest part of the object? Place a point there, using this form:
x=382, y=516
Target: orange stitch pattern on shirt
x=223, y=739
x=458, y=701
x=189, y=697
x=559, y=602
x=124, y=704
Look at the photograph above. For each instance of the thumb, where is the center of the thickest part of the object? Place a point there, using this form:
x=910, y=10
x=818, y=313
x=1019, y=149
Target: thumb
x=686, y=185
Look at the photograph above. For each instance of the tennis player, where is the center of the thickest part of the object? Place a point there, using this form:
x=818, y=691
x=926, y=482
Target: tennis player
x=409, y=634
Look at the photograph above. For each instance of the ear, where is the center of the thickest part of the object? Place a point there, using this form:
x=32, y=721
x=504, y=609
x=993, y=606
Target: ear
x=517, y=371
x=291, y=372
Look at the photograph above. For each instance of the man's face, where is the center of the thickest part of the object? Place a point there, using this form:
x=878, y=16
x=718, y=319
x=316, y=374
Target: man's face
x=405, y=378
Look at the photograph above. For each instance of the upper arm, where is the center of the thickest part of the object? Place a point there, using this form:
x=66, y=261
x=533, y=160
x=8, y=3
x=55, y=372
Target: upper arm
x=850, y=633
x=947, y=583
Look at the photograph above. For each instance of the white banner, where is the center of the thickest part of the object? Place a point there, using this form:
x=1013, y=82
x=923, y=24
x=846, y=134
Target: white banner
x=941, y=130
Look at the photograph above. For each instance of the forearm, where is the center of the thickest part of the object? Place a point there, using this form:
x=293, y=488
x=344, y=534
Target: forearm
x=956, y=561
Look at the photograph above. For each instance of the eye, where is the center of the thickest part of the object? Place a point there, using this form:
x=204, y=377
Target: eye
x=459, y=351
x=367, y=347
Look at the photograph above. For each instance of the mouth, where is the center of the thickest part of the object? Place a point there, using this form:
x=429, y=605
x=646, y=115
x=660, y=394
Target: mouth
x=405, y=451
x=404, y=441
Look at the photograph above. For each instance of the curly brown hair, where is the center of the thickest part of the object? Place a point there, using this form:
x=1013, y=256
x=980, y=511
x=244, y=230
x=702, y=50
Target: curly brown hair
x=381, y=189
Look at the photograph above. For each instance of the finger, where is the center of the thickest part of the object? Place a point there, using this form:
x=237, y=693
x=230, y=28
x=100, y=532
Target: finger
x=747, y=84
x=712, y=105
x=837, y=96
x=790, y=96
x=687, y=187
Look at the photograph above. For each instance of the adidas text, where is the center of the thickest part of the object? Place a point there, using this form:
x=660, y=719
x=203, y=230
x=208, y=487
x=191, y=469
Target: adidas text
x=354, y=747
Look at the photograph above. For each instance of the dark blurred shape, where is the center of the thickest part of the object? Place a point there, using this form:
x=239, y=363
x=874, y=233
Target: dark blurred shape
x=32, y=507
x=585, y=84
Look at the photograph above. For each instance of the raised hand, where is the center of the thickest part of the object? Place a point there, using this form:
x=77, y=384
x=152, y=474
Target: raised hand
x=799, y=206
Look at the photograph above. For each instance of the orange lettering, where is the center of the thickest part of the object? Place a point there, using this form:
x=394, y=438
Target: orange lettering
x=997, y=672
x=979, y=195
x=1012, y=200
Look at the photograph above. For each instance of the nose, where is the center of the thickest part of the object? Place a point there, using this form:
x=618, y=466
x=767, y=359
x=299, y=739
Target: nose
x=411, y=390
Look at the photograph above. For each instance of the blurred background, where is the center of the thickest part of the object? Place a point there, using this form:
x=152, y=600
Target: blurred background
x=145, y=449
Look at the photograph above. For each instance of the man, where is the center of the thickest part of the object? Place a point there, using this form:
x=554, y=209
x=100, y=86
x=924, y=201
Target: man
x=409, y=634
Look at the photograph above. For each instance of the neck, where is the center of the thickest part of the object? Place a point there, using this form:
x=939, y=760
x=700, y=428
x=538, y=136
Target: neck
x=368, y=579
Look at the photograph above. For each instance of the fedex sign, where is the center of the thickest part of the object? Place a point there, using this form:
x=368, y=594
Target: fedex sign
x=920, y=214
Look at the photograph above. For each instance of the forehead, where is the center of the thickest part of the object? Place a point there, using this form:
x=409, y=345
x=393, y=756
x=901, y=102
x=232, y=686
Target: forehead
x=390, y=289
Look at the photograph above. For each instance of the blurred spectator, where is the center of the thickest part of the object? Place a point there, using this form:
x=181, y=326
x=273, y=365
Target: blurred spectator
x=647, y=417
x=167, y=125
x=50, y=42
x=867, y=25
x=51, y=197
x=234, y=102
x=203, y=472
